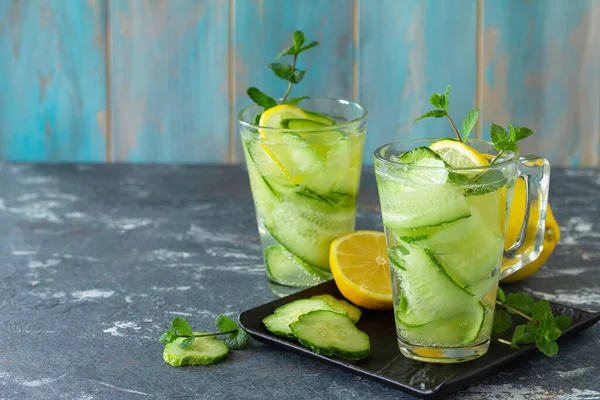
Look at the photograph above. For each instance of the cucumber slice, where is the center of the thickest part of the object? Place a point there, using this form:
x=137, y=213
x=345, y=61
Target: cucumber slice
x=470, y=250
x=287, y=269
x=331, y=334
x=279, y=322
x=203, y=351
x=301, y=124
x=320, y=118
x=458, y=330
x=430, y=292
x=306, y=226
x=351, y=310
x=424, y=206
x=262, y=192
x=418, y=154
x=337, y=175
x=293, y=154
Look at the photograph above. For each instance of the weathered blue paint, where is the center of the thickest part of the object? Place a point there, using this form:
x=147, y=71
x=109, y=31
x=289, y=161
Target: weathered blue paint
x=52, y=80
x=169, y=80
x=409, y=50
x=264, y=27
x=179, y=69
x=542, y=63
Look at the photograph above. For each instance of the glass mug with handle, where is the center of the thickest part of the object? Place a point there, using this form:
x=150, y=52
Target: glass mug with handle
x=445, y=230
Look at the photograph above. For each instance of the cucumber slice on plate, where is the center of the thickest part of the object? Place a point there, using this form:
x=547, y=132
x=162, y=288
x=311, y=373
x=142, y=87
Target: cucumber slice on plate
x=203, y=351
x=279, y=322
x=287, y=269
x=331, y=334
x=351, y=310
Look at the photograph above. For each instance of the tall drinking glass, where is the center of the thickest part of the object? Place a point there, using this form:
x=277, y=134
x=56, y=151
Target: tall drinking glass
x=445, y=230
x=304, y=184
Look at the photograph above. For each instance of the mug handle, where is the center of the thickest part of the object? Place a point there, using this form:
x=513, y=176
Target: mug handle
x=535, y=171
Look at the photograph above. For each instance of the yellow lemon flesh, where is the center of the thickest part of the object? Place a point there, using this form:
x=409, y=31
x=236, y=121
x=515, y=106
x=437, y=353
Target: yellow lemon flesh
x=360, y=267
x=515, y=219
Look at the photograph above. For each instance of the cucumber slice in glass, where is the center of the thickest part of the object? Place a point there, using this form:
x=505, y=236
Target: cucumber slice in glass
x=203, y=351
x=331, y=334
x=287, y=269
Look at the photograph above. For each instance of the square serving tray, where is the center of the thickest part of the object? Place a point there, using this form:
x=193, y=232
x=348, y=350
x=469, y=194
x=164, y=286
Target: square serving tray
x=387, y=365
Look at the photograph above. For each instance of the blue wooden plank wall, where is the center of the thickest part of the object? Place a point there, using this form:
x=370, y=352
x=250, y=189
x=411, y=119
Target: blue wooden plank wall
x=163, y=80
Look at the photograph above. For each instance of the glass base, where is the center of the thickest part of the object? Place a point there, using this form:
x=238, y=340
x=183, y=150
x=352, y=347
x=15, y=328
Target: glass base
x=280, y=290
x=443, y=355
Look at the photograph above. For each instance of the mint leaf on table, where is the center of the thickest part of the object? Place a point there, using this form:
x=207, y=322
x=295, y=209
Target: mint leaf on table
x=562, y=322
x=520, y=301
x=260, y=98
x=186, y=342
x=237, y=338
x=469, y=123
x=539, y=310
x=181, y=326
x=500, y=295
x=548, y=348
x=167, y=337
x=502, y=321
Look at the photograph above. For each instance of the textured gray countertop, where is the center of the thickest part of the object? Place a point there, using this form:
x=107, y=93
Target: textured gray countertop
x=96, y=259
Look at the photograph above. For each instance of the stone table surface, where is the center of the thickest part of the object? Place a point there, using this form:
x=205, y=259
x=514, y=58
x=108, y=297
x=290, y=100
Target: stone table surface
x=97, y=259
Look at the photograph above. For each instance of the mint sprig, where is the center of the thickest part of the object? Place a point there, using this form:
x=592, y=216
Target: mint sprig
x=286, y=72
x=237, y=338
x=542, y=328
x=501, y=139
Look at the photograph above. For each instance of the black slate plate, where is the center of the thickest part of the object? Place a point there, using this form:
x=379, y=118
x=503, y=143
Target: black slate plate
x=387, y=365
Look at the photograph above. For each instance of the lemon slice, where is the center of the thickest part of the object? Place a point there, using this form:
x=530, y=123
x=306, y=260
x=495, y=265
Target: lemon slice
x=360, y=266
x=458, y=155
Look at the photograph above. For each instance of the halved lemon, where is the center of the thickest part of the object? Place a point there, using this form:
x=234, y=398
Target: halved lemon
x=360, y=266
x=458, y=155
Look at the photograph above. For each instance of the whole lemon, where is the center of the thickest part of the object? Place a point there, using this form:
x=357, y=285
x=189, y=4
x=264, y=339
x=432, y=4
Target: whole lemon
x=515, y=220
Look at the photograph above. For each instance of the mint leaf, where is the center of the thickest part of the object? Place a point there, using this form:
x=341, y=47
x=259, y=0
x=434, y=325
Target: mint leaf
x=298, y=40
x=562, y=322
x=522, y=132
x=446, y=98
x=548, y=348
x=260, y=98
x=437, y=100
x=469, y=122
x=295, y=100
x=224, y=323
x=287, y=52
x=500, y=137
x=307, y=47
x=432, y=113
x=283, y=71
x=167, y=337
x=187, y=342
x=521, y=301
x=181, y=326
x=502, y=321
x=500, y=296
x=237, y=340
x=530, y=331
x=517, y=336
x=297, y=76
x=539, y=309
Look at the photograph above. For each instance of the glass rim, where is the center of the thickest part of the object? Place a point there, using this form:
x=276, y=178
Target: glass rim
x=344, y=124
x=512, y=156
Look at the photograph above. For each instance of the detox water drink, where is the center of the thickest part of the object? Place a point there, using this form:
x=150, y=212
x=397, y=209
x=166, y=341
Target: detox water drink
x=445, y=231
x=304, y=180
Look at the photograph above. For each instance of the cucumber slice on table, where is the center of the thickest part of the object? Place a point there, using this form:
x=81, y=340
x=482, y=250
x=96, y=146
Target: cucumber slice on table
x=351, y=310
x=279, y=322
x=203, y=351
x=287, y=269
x=457, y=330
x=330, y=333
